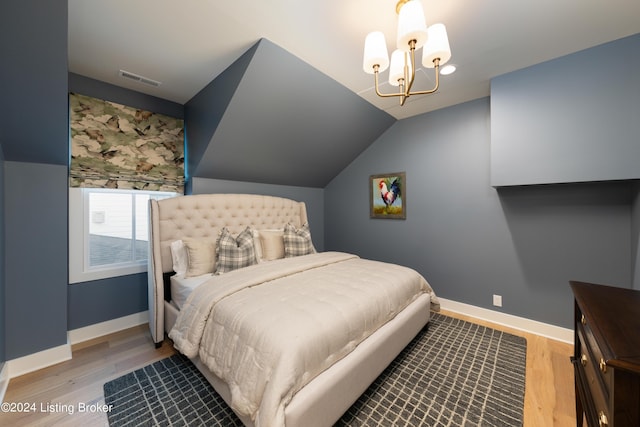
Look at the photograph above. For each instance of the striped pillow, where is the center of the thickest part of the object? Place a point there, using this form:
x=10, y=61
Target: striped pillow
x=297, y=241
x=233, y=253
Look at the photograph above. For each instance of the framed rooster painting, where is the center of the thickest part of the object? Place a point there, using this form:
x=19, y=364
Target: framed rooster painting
x=387, y=195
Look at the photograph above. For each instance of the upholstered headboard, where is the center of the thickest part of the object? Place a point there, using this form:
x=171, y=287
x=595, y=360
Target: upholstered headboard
x=203, y=216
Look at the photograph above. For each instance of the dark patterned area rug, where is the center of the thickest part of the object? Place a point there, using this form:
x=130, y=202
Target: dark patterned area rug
x=455, y=374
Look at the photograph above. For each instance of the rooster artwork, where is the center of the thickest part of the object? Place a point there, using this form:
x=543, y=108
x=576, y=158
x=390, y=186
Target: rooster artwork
x=387, y=199
x=389, y=194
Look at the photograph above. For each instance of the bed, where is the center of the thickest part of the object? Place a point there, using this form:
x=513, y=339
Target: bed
x=286, y=341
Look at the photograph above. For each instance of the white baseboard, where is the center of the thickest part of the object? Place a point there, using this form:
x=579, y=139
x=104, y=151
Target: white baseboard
x=4, y=381
x=87, y=333
x=519, y=323
x=42, y=359
x=33, y=362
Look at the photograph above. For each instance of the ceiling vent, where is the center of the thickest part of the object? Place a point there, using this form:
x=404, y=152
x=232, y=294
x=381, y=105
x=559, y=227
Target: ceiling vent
x=138, y=78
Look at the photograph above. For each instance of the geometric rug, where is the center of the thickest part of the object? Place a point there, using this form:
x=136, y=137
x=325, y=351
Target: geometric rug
x=455, y=373
x=170, y=392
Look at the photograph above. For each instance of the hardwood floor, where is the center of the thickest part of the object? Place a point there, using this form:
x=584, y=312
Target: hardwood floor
x=81, y=379
x=58, y=390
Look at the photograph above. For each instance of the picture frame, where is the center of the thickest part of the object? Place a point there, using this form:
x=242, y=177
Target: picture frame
x=388, y=196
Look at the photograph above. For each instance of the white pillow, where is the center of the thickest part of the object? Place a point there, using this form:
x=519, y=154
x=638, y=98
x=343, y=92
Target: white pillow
x=272, y=244
x=201, y=256
x=257, y=245
x=179, y=257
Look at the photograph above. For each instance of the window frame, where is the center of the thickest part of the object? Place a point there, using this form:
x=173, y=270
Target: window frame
x=79, y=223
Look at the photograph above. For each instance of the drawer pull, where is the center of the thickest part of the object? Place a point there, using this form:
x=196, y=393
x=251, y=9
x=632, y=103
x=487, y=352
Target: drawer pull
x=602, y=420
x=583, y=360
x=583, y=320
x=603, y=366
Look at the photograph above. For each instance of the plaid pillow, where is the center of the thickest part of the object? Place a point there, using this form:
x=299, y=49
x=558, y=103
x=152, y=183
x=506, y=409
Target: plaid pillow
x=233, y=253
x=297, y=241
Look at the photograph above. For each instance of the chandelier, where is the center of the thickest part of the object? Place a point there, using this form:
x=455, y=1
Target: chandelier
x=412, y=34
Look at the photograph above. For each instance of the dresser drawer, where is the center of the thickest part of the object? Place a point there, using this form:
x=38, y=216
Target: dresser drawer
x=597, y=389
x=594, y=353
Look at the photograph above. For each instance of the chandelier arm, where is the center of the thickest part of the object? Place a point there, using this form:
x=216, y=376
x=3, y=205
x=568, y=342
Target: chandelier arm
x=412, y=49
x=383, y=95
x=437, y=85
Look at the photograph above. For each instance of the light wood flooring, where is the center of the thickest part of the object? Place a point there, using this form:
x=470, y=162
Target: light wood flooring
x=549, y=395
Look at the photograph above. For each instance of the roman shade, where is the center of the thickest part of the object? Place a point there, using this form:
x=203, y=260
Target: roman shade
x=115, y=146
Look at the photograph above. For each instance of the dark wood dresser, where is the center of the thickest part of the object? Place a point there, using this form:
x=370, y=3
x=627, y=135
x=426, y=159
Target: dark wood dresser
x=607, y=355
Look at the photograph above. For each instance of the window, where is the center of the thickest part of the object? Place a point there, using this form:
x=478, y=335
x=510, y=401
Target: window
x=108, y=232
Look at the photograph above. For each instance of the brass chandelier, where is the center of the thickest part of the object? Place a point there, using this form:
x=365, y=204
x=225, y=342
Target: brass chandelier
x=412, y=34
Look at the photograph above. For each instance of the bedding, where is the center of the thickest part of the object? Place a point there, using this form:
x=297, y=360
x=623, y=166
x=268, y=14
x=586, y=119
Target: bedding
x=269, y=329
x=181, y=287
x=179, y=257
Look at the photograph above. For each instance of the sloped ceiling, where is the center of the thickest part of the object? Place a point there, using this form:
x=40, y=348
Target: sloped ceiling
x=272, y=118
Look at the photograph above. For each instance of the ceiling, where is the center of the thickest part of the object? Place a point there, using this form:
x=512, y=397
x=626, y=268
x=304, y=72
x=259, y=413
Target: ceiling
x=186, y=44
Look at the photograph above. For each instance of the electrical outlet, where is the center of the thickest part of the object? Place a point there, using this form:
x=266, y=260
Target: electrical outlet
x=497, y=300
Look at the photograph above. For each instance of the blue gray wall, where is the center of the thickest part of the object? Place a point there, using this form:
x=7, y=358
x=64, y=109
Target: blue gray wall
x=468, y=239
x=36, y=257
x=572, y=119
x=207, y=108
x=33, y=79
x=34, y=137
x=106, y=299
x=283, y=123
x=3, y=357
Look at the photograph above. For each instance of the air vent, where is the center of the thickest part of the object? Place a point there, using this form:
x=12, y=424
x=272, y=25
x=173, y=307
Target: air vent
x=138, y=78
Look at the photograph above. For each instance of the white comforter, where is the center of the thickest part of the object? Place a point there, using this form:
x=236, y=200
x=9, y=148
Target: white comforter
x=269, y=329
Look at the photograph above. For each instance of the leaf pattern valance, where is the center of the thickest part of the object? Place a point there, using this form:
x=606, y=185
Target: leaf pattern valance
x=115, y=146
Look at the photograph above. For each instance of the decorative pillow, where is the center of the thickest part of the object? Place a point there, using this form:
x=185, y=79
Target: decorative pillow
x=257, y=246
x=233, y=253
x=201, y=256
x=297, y=241
x=179, y=257
x=272, y=243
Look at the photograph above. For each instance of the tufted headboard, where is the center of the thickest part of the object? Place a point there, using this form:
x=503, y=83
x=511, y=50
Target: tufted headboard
x=203, y=216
